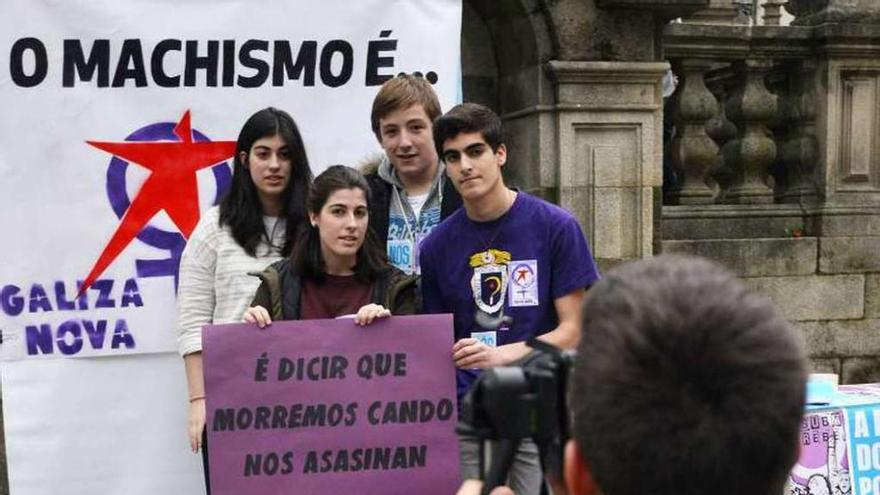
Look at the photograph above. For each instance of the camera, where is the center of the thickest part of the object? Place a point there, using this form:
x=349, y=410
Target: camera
x=508, y=404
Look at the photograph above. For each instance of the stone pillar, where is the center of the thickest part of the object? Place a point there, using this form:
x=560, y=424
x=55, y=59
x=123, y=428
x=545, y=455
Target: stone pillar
x=799, y=151
x=609, y=147
x=849, y=127
x=751, y=108
x=772, y=12
x=722, y=131
x=693, y=152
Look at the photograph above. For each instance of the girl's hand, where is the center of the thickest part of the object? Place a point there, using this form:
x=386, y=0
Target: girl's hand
x=258, y=315
x=370, y=312
x=196, y=423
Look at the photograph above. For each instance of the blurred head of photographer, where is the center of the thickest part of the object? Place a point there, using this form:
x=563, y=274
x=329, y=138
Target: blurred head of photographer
x=684, y=383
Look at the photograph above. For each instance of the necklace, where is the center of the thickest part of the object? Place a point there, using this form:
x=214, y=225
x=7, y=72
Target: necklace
x=489, y=282
x=510, y=199
x=271, y=233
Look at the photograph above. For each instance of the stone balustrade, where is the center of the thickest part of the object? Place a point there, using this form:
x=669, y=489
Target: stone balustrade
x=781, y=124
x=738, y=139
x=803, y=100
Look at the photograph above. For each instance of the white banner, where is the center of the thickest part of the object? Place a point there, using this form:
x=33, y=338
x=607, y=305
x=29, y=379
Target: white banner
x=88, y=79
x=101, y=101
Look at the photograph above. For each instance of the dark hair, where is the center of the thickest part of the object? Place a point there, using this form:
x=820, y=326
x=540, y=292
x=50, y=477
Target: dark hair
x=400, y=93
x=686, y=383
x=240, y=208
x=307, y=257
x=467, y=118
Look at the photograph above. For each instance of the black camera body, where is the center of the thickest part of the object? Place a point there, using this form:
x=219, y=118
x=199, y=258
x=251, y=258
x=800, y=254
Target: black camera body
x=511, y=403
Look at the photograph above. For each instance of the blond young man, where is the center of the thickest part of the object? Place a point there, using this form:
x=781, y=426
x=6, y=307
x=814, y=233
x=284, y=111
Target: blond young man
x=411, y=194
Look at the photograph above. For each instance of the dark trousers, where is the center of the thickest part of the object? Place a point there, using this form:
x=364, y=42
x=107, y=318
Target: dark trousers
x=205, y=462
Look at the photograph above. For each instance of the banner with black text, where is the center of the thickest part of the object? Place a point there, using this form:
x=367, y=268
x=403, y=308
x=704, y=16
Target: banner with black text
x=119, y=118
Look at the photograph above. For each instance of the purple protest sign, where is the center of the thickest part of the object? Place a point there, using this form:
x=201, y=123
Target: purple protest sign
x=326, y=406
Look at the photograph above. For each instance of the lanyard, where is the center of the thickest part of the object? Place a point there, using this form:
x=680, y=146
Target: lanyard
x=412, y=230
x=409, y=232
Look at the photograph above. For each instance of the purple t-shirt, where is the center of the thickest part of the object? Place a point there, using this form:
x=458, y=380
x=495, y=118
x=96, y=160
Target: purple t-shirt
x=535, y=253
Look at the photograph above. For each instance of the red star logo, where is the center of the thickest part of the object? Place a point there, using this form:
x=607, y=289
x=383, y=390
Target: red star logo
x=171, y=186
x=521, y=274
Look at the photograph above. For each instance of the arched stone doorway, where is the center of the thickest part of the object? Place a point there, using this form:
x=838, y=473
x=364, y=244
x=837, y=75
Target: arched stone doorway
x=504, y=46
x=581, y=131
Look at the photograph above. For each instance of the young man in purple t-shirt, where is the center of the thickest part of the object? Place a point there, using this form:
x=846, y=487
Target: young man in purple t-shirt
x=508, y=266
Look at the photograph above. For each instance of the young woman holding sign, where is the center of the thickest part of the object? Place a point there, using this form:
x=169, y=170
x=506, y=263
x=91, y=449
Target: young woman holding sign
x=337, y=267
x=253, y=227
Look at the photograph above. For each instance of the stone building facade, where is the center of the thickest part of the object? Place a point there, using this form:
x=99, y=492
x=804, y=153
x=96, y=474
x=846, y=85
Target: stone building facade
x=772, y=162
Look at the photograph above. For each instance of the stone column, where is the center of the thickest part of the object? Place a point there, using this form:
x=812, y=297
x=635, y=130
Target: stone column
x=693, y=152
x=772, y=12
x=799, y=151
x=609, y=146
x=849, y=124
x=842, y=98
x=722, y=131
x=751, y=108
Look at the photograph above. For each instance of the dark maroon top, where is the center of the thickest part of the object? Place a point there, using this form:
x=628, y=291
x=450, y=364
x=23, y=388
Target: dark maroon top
x=336, y=296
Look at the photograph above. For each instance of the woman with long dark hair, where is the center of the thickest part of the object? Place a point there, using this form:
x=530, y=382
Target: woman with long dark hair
x=253, y=227
x=337, y=267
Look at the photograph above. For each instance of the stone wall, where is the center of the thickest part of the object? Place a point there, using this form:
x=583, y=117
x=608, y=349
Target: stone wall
x=829, y=287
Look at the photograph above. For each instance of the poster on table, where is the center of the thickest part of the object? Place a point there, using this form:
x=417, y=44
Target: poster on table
x=824, y=461
x=840, y=445
x=327, y=406
x=119, y=120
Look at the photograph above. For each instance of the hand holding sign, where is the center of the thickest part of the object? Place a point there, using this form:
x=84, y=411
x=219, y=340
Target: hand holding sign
x=370, y=312
x=321, y=406
x=258, y=315
x=469, y=353
x=365, y=315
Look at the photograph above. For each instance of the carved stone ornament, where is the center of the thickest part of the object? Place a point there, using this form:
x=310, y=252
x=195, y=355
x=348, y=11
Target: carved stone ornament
x=812, y=12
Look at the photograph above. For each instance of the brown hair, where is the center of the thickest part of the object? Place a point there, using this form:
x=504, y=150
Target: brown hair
x=400, y=93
